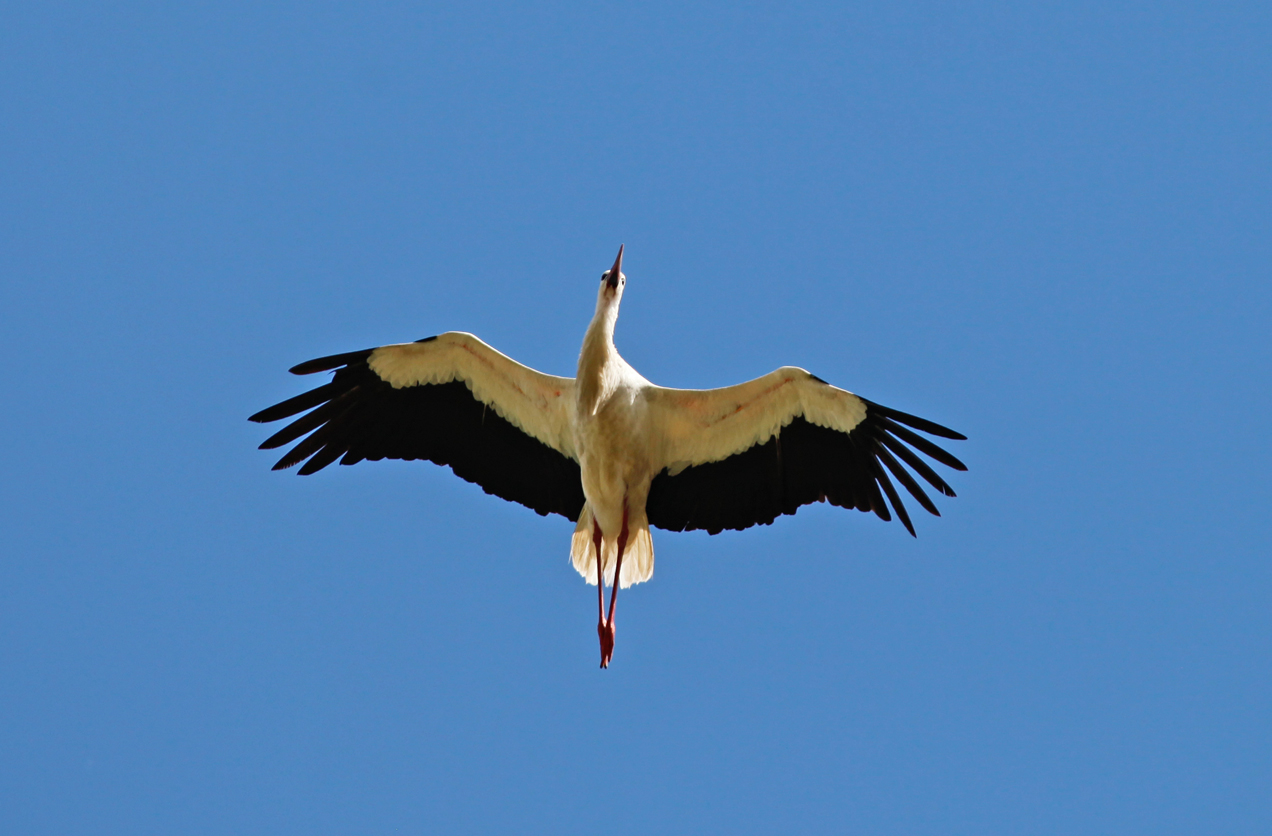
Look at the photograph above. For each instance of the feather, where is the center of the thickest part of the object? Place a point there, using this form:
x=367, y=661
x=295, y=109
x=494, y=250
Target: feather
x=923, y=445
x=300, y=403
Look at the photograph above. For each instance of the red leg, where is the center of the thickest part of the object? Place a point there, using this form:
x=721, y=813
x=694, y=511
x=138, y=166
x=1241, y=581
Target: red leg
x=600, y=578
x=606, y=636
x=618, y=574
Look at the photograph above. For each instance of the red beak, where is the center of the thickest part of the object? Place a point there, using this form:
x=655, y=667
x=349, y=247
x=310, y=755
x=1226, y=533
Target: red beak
x=616, y=269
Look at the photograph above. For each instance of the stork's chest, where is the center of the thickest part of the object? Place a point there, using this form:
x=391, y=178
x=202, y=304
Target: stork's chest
x=613, y=434
x=613, y=422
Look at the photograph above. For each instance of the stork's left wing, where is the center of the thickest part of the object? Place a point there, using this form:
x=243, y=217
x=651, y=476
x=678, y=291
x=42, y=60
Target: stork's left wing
x=450, y=399
x=742, y=455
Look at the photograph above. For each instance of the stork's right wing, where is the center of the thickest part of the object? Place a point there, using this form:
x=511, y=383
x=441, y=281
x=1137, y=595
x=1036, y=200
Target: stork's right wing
x=450, y=399
x=742, y=455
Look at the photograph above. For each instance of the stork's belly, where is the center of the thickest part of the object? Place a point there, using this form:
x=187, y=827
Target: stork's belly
x=606, y=485
x=614, y=459
x=615, y=475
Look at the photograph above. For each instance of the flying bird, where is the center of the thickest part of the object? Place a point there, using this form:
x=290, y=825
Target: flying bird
x=607, y=449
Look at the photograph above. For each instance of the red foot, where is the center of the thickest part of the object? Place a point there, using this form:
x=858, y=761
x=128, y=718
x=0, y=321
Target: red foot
x=606, y=633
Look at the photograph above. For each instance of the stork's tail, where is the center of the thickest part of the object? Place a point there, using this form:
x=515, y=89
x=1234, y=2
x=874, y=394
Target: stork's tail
x=638, y=557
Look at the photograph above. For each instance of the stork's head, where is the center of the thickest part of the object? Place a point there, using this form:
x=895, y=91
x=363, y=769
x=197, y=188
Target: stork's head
x=612, y=281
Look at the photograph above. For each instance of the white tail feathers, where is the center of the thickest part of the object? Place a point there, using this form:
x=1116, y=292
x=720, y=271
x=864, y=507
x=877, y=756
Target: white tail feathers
x=638, y=556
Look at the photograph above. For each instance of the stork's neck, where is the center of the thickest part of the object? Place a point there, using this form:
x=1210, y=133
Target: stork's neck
x=597, y=356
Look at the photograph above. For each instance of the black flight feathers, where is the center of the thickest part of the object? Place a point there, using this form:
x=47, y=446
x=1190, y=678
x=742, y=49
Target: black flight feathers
x=358, y=416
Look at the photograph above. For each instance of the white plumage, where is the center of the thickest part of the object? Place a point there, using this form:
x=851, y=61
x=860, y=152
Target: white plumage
x=608, y=448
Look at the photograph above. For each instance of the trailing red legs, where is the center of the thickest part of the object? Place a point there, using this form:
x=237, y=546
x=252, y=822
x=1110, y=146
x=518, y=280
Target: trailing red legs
x=605, y=626
x=600, y=600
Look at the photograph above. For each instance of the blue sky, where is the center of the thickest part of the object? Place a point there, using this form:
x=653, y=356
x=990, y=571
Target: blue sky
x=1045, y=225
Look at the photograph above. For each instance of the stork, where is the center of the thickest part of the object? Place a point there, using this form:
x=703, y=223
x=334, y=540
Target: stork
x=607, y=449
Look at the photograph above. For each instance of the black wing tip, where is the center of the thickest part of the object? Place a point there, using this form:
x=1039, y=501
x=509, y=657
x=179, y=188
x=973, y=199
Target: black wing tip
x=923, y=424
x=330, y=362
x=886, y=425
x=279, y=411
x=319, y=460
x=306, y=461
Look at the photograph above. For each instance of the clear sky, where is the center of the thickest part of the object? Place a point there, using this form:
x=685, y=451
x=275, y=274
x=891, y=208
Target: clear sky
x=1044, y=225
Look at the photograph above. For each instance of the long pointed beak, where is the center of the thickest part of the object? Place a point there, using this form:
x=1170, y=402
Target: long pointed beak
x=616, y=269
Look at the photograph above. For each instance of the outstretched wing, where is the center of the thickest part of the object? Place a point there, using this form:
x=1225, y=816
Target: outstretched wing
x=450, y=399
x=742, y=455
